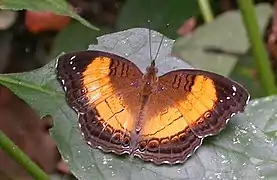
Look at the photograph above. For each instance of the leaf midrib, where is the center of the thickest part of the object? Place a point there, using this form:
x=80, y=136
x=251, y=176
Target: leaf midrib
x=30, y=86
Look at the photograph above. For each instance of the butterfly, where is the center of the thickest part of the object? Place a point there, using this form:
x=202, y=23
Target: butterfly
x=162, y=119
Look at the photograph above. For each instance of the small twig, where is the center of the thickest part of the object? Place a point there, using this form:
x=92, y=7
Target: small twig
x=206, y=10
x=258, y=49
x=21, y=158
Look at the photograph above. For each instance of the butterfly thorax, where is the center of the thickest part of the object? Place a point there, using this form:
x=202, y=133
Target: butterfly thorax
x=149, y=80
x=148, y=86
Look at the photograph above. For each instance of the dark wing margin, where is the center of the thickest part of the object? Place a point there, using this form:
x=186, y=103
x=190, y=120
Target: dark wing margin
x=171, y=150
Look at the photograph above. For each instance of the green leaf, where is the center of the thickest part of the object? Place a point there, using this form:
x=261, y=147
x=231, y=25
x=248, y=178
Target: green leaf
x=246, y=149
x=74, y=37
x=57, y=6
x=214, y=46
x=160, y=12
x=38, y=87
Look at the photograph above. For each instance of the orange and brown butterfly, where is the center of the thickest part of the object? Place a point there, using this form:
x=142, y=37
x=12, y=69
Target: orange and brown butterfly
x=160, y=119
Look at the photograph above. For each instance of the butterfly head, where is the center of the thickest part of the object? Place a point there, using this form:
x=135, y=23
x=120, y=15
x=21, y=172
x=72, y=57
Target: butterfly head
x=152, y=70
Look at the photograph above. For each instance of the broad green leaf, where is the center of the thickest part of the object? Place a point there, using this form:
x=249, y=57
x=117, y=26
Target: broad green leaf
x=57, y=6
x=160, y=12
x=39, y=88
x=74, y=37
x=227, y=34
x=246, y=149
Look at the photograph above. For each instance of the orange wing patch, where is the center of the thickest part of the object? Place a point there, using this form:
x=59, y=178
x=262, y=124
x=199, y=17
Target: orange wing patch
x=114, y=114
x=100, y=66
x=103, y=97
x=164, y=124
x=199, y=100
x=96, y=80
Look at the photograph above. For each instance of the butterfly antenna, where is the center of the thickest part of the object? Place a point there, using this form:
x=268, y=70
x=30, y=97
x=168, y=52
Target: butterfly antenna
x=150, y=40
x=160, y=45
x=159, y=48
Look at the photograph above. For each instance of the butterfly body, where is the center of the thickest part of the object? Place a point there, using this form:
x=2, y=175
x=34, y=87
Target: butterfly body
x=160, y=119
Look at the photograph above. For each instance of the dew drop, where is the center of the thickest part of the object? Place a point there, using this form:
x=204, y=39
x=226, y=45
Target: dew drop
x=225, y=162
x=105, y=160
x=243, y=131
x=236, y=141
x=254, y=127
x=258, y=168
x=255, y=160
x=218, y=175
x=254, y=103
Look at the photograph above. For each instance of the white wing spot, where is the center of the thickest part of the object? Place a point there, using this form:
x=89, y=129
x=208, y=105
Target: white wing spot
x=73, y=57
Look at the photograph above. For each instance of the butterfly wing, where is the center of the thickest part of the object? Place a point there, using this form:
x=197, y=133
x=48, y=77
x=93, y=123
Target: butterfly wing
x=102, y=88
x=187, y=106
x=206, y=100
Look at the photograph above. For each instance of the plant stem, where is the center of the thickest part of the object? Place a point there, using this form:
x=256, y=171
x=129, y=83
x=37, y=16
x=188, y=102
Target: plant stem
x=206, y=10
x=258, y=49
x=21, y=158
